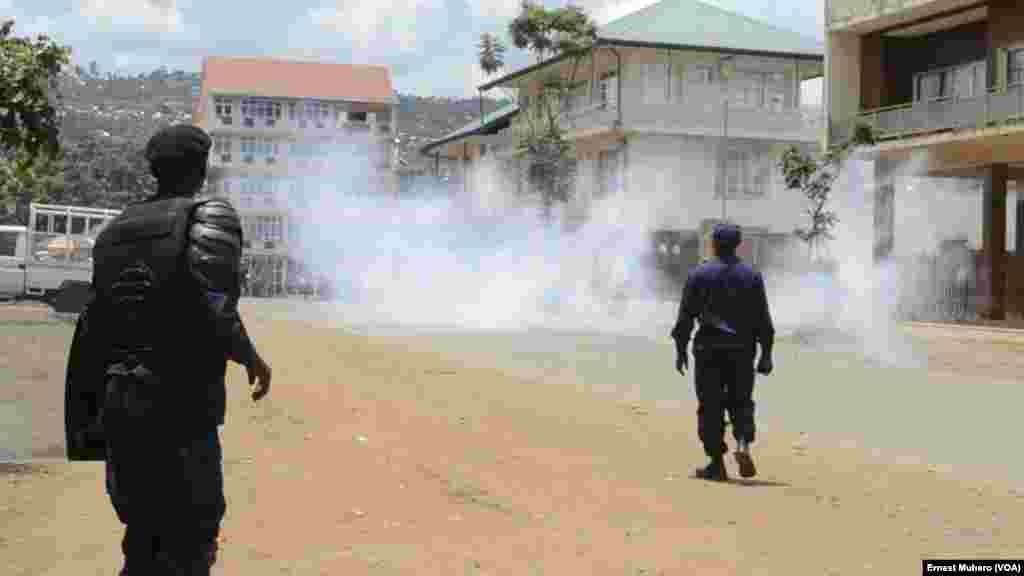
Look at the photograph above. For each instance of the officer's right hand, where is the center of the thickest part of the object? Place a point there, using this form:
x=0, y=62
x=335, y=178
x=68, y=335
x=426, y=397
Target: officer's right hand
x=682, y=363
x=764, y=365
x=259, y=378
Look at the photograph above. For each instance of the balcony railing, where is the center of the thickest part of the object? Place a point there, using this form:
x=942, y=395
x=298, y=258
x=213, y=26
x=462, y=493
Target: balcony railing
x=707, y=116
x=589, y=117
x=991, y=109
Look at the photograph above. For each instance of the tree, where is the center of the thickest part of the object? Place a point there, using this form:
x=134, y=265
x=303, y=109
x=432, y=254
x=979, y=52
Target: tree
x=491, y=54
x=814, y=178
x=29, y=74
x=566, y=32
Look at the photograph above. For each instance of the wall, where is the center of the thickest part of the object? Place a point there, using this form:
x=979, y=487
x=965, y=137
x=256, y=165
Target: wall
x=1006, y=23
x=842, y=77
x=675, y=176
x=634, y=90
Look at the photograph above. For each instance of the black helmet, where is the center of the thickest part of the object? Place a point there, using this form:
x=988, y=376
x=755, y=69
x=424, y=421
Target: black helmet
x=177, y=148
x=727, y=235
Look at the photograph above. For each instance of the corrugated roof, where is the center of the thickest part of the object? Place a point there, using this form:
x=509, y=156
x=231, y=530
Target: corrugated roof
x=698, y=24
x=468, y=130
x=270, y=77
x=694, y=25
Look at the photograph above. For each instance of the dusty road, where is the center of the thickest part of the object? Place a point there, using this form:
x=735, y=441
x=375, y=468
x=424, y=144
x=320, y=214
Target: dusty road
x=383, y=451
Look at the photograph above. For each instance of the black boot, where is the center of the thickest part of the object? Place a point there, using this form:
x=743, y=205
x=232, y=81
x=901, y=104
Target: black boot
x=744, y=461
x=714, y=471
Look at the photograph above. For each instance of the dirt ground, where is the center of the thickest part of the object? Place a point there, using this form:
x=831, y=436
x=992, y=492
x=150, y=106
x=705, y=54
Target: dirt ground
x=406, y=454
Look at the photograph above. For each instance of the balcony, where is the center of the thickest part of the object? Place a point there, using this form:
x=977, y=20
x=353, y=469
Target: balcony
x=708, y=117
x=701, y=115
x=919, y=118
x=589, y=117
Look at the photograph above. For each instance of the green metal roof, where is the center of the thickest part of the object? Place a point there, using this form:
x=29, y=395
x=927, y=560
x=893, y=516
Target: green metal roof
x=697, y=24
x=475, y=127
x=693, y=25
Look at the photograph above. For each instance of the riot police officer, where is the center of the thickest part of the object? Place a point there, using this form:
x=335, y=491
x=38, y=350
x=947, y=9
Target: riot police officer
x=728, y=298
x=164, y=322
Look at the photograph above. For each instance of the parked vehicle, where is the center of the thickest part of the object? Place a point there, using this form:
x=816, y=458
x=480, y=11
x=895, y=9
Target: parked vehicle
x=50, y=260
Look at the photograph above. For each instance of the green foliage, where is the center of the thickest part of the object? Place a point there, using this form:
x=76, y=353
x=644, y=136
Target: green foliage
x=491, y=53
x=91, y=171
x=29, y=98
x=814, y=178
x=567, y=32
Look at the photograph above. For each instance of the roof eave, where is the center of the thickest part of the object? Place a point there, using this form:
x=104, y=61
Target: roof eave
x=817, y=56
x=214, y=91
x=458, y=134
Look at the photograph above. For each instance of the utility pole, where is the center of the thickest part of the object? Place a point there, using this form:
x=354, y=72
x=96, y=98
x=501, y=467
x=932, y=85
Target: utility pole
x=725, y=153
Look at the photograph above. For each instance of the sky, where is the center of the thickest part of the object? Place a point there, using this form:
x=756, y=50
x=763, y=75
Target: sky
x=430, y=45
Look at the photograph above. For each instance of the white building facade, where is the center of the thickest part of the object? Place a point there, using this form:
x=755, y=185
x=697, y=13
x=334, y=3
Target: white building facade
x=276, y=125
x=667, y=119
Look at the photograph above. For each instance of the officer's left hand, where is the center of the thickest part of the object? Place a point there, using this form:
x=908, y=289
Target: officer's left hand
x=682, y=363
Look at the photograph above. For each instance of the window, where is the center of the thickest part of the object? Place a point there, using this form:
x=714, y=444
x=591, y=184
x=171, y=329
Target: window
x=223, y=108
x=267, y=148
x=657, y=83
x=745, y=174
x=222, y=148
x=609, y=170
x=267, y=229
x=1015, y=59
x=248, y=148
x=9, y=243
x=775, y=91
x=932, y=86
x=969, y=81
x=700, y=74
x=608, y=89
x=747, y=89
x=357, y=116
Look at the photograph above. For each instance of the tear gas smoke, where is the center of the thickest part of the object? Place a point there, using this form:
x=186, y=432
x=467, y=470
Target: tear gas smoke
x=489, y=261
x=860, y=304
x=442, y=258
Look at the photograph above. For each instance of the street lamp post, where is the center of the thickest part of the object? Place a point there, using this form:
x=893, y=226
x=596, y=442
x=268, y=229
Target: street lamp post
x=725, y=153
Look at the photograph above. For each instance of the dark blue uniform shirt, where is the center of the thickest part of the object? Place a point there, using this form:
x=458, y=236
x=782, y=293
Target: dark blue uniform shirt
x=728, y=297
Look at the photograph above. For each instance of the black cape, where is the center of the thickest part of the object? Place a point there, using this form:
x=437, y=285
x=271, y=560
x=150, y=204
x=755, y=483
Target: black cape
x=84, y=391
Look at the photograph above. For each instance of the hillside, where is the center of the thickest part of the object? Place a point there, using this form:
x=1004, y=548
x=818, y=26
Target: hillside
x=132, y=108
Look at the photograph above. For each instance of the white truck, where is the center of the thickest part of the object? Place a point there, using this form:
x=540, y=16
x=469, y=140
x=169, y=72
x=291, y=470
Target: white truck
x=51, y=259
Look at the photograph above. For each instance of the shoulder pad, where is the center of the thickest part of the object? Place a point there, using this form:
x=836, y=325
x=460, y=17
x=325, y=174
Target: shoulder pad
x=218, y=213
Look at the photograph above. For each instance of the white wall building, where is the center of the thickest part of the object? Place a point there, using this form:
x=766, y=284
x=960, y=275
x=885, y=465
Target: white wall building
x=274, y=124
x=662, y=87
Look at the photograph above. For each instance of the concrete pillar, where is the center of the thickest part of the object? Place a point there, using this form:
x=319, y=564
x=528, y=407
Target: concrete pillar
x=994, y=238
x=884, y=211
x=1019, y=243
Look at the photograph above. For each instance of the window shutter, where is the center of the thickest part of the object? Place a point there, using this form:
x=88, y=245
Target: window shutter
x=1002, y=68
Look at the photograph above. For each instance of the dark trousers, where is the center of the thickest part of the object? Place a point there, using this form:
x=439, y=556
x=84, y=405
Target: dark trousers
x=170, y=497
x=724, y=380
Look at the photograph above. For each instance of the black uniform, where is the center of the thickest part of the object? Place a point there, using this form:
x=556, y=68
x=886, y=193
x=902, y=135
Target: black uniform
x=728, y=297
x=157, y=336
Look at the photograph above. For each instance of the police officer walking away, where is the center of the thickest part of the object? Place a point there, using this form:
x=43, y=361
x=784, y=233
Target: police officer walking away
x=728, y=297
x=157, y=336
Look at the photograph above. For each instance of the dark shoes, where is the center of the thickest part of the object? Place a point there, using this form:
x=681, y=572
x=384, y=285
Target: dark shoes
x=745, y=463
x=715, y=471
